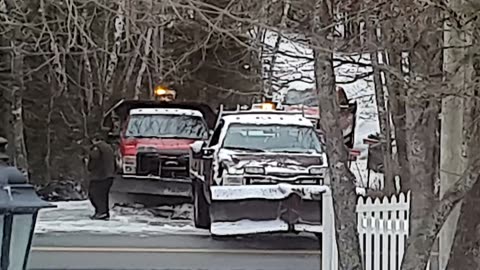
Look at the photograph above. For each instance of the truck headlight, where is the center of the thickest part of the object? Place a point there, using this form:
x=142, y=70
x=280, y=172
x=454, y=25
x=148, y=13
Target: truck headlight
x=316, y=170
x=129, y=164
x=233, y=181
x=254, y=170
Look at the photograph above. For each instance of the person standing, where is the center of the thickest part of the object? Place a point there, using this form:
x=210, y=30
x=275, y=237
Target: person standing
x=101, y=168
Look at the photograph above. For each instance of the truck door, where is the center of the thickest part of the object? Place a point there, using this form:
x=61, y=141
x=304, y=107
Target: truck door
x=208, y=163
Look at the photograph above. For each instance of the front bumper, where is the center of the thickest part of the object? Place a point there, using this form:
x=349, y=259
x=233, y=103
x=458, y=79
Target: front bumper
x=251, y=209
x=152, y=185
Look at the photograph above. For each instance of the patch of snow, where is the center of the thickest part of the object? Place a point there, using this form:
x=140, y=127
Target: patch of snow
x=308, y=228
x=163, y=111
x=246, y=226
x=266, y=119
x=272, y=192
x=291, y=163
x=74, y=217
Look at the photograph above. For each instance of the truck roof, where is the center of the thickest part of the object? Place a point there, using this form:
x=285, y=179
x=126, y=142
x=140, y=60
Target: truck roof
x=172, y=111
x=268, y=119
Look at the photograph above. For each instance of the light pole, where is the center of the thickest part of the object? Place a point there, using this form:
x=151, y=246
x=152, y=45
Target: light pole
x=19, y=206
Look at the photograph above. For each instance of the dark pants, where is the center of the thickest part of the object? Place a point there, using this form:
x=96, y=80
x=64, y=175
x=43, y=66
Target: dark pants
x=98, y=194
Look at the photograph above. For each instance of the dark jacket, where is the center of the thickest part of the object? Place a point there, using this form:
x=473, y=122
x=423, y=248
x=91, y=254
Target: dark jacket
x=101, y=161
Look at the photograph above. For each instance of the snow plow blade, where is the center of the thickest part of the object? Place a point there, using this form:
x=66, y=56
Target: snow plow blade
x=150, y=190
x=237, y=210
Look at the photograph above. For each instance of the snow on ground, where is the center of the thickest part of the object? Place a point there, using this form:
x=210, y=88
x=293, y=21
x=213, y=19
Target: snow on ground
x=74, y=217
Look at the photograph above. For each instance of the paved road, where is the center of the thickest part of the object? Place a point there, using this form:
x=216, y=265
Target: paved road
x=173, y=252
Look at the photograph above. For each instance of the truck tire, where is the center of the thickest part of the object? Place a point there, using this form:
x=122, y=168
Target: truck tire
x=201, y=211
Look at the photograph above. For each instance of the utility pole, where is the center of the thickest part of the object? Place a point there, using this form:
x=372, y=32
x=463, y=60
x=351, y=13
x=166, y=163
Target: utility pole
x=452, y=139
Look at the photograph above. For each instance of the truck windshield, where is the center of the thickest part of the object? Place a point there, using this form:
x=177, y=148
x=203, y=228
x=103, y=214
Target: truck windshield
x=166, y=126
x=273, y=138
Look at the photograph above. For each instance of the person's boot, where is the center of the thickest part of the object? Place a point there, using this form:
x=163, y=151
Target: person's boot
x=104, y=216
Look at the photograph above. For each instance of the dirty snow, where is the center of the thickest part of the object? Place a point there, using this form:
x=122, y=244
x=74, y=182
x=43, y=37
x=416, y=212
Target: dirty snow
x=246, y=226
x=74, y=217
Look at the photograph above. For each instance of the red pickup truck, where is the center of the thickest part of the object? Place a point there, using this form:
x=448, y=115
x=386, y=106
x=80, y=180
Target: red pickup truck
x=153, y=142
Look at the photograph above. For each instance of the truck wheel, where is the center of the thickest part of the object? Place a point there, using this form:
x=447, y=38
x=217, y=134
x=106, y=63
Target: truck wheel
x=201, y=211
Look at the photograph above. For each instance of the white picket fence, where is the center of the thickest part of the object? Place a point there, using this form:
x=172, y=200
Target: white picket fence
x=383, y=227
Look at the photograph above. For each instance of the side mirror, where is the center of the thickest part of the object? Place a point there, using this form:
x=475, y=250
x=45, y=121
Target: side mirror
x=197, y=146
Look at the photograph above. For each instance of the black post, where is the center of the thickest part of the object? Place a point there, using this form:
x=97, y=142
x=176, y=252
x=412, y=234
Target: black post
x=32, y=232
x=7, y=233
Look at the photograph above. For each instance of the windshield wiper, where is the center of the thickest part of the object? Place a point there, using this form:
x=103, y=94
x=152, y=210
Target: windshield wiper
x=303, y=151
x=244, y=148
x=140, y=136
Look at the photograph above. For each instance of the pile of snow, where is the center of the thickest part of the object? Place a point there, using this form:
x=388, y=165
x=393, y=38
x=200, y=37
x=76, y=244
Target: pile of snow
x=74, y=217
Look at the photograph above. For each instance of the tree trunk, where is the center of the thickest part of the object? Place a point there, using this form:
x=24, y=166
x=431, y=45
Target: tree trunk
x=466, y=247
x=114, y=54
x=384, y=121
x=422, y=109
x=18, y=87
x=466, y=244
x=454, y=120
x=421, y=120
x=143, y=67
x=270, y=89
x=396, y=99
x=342, y=180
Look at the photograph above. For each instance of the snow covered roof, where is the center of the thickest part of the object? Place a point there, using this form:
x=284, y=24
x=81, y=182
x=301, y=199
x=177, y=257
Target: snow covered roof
x=267, y=119
x=165, y=111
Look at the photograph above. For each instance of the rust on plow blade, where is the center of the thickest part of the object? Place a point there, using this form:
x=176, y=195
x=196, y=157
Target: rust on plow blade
x=294, y=210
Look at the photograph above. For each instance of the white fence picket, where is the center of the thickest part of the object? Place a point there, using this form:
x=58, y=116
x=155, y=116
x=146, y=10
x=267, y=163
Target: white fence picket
x=376, y=234
x=368, y=236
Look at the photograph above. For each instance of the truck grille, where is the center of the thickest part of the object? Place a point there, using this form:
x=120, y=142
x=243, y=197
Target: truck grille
x=169, y=166
x=276, y=180
x=148, y=164
x=174, y=166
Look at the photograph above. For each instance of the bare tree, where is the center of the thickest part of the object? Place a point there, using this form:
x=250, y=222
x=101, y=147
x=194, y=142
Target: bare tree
x=342, y=180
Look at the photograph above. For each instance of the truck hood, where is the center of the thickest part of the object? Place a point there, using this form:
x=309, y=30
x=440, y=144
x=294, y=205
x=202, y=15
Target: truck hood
x=273, y=162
